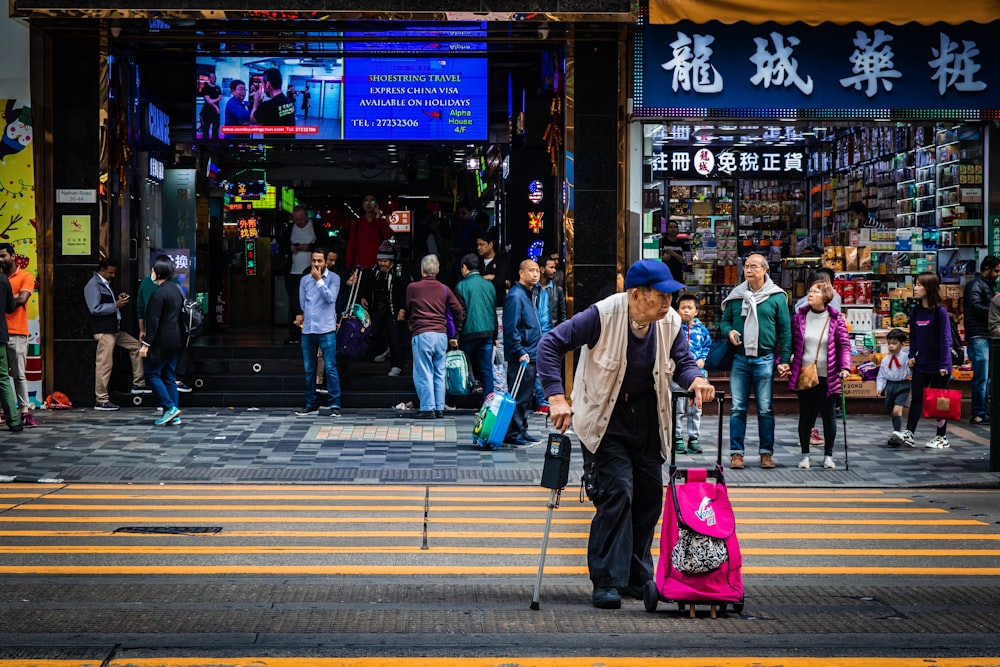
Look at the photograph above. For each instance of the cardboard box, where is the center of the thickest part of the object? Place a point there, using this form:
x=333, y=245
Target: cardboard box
x=859, y=389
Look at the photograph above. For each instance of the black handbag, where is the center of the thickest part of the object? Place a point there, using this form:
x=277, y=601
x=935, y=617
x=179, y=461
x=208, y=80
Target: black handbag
x=720, y=356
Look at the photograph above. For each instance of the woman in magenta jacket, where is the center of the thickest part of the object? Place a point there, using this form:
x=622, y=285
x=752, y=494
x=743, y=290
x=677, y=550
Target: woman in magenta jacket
x=819, y=334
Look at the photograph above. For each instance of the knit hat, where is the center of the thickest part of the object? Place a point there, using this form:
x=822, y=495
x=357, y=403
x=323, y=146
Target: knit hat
x=386, y=251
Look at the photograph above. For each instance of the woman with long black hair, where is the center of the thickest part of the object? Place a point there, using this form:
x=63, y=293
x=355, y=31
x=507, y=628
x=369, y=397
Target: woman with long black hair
x=163, y=341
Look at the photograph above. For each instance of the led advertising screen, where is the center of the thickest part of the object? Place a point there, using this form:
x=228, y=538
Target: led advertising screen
x=428, y=98
x=254, y=97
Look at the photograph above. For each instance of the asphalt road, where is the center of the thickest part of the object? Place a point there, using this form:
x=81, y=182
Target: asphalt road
x=138, y=575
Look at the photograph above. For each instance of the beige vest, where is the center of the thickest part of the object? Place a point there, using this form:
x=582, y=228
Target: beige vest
x=601, y=370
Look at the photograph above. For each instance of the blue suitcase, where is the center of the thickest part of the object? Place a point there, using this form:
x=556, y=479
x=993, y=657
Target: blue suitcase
x=494, y=417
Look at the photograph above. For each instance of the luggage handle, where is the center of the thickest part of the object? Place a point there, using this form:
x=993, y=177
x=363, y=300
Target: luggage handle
x=717, y=474
x=517, y=379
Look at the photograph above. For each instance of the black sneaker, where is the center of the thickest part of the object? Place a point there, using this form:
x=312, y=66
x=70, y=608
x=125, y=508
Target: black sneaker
x=335, y=411
x=320, y=389
x=980, y=420
x=141, y=389
x=307, y=410
x=607, y=598
x=106, y=406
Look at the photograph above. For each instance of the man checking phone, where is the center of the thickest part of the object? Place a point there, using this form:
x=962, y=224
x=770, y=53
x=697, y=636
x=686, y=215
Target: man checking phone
x=105, y=323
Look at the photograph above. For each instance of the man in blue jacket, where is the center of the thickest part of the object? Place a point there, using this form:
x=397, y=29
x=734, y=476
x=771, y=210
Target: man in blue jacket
x=521, y=332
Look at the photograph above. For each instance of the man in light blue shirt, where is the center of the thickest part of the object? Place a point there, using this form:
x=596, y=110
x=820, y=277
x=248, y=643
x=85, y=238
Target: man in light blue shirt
x=318, y=292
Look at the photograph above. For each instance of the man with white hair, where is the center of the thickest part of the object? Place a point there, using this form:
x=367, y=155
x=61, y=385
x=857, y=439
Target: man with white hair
x=428, y=302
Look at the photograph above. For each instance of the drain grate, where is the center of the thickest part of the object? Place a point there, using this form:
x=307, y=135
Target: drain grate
x=170, y=530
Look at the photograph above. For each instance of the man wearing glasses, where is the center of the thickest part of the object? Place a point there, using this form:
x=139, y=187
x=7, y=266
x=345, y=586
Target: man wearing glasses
x=757, y=324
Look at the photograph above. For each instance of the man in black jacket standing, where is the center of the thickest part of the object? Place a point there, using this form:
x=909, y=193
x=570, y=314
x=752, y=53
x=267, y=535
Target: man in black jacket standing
x=7, y=398
x=978, y=294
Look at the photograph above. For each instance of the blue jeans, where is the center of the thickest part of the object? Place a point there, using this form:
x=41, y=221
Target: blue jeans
x=979, y=355
x=429, y=350
x=161, y=377
x=328, y=343
x=480, y=354
x=756, y=373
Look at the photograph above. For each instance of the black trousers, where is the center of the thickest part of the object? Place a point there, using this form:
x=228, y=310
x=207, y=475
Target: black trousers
x=813, y=402
x=918, y=384
x=389, y=330
x=525, y=392
x=628, y=465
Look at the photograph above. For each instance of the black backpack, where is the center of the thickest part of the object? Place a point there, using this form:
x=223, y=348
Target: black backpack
x=192, y=319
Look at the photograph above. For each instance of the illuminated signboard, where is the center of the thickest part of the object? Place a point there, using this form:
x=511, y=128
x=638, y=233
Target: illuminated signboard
x=267, y=199
x=249, y=228
x=437, y=98
x=250, y=256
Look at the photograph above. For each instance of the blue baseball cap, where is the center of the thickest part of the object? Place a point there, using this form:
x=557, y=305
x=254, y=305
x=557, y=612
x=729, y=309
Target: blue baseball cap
x=652, y=273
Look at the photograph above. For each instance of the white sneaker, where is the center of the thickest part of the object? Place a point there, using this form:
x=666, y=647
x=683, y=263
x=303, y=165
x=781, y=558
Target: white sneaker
x=395, y=371
x=938, y=442
x=828, y=463
x=804, y=463
x=382, y=357
x=900, y=438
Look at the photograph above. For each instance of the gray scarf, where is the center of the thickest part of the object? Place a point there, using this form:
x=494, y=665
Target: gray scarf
x=751, y=299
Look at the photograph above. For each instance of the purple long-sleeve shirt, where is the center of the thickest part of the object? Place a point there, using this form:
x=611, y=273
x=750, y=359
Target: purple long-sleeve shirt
x=930, y=339
x=585, y=329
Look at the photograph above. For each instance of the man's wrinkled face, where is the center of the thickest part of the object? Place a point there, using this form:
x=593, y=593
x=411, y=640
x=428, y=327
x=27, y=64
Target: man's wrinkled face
x=384, y=265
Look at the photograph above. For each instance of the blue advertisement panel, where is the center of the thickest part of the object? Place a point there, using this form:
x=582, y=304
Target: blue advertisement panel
x=433, y=98
x=828, y=67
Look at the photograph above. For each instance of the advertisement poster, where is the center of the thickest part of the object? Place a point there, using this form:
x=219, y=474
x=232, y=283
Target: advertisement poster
x=17, y=220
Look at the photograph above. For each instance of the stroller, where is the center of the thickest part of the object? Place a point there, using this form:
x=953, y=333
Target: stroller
x=700, y=560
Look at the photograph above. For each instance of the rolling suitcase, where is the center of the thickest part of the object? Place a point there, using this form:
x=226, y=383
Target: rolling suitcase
x=700, y=560
x=494, y=417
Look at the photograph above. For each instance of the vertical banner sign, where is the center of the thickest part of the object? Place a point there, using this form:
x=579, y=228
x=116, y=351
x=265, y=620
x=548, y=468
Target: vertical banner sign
x=17, y=220
x=994, y=231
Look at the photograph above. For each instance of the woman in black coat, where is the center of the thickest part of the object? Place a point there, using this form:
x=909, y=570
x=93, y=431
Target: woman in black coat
x=164, y=340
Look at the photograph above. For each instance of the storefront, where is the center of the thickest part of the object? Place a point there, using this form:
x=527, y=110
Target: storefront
x=191, y=194
x=759, y=137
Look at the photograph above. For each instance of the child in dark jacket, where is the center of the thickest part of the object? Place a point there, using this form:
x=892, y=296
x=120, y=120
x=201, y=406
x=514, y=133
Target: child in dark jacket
x=699, y=342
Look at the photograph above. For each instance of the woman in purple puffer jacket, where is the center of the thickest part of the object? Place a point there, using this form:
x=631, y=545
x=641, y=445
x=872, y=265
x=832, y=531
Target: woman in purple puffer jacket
x=819, y=334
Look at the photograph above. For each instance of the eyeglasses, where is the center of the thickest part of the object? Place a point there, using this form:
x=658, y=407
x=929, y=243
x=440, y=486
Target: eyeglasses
x=753, y=266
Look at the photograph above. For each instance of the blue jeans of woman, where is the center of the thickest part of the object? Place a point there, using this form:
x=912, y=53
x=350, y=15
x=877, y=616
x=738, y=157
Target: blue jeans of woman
x=161, y=377
x=429, y=350
x=751, y=374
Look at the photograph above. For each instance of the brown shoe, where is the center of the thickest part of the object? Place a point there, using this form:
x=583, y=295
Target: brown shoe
x=736, y=461
x=766, y=461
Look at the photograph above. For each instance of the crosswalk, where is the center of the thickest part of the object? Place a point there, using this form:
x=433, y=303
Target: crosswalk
x=81, y=529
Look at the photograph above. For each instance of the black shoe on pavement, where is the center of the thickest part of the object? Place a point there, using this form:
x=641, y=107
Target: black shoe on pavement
x=425, y=414
x=980, y=420
x=517, y=442
x=15, y=428
x=530, y=438
x=607, y=598
x=307, y=410
x=439, y=414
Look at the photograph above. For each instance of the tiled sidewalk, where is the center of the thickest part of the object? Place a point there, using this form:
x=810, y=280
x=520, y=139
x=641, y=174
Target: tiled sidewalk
x=380, y=446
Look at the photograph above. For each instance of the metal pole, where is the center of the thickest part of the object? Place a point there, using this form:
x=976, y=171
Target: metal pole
x=553, y=504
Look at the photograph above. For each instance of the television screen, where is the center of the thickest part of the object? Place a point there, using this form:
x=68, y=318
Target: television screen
x=427, y=98
x=423, y=98
x=253, y=97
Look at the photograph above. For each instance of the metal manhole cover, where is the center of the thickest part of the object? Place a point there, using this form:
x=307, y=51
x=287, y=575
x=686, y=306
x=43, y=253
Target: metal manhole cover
x=170, y=530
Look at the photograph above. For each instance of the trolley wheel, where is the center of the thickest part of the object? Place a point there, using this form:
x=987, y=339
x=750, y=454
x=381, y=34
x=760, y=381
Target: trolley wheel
x=650, y=596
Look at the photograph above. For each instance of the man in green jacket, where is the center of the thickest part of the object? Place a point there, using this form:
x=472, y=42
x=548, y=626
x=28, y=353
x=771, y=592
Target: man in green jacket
x=480, y=329
x=756, y=322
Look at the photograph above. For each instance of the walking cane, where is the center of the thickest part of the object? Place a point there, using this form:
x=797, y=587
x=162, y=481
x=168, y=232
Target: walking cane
x=555, y=475
x=843, y=416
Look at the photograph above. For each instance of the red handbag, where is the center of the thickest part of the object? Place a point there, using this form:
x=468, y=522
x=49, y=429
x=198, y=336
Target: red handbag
x=942, y=403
